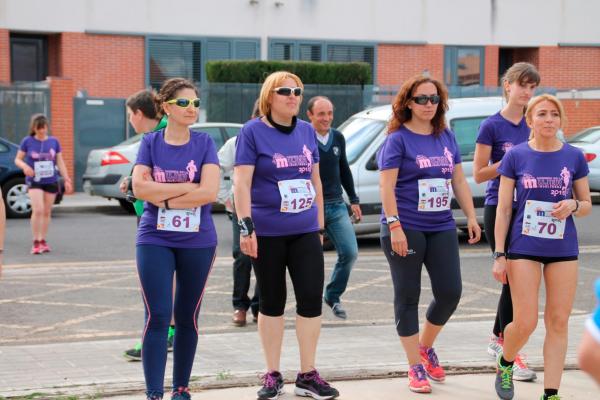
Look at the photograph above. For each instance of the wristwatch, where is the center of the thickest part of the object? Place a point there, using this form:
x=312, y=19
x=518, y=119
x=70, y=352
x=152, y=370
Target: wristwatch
x=498, y=254
x=246, y=226
x=392, y=219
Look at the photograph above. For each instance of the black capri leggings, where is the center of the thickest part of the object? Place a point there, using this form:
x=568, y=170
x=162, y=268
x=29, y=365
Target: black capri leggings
x=303, y=256
x=504, y=314
x=439, y=252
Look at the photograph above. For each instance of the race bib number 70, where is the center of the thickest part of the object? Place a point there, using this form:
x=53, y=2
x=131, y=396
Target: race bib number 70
x=539, y=222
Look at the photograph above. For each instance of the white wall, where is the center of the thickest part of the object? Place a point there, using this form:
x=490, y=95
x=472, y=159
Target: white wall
x=476, y=22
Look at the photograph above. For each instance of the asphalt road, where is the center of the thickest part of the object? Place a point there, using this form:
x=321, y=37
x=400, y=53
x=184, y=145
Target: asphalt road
x=87, y=288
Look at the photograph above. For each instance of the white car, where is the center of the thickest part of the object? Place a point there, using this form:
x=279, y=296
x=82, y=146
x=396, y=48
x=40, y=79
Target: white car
x=365, y=132
x=588, y=141
x=106, y=167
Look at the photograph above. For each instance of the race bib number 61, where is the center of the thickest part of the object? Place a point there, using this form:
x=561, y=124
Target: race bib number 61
x=185, y=220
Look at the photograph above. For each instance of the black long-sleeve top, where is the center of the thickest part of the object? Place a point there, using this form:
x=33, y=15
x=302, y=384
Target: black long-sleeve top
x=334, y=169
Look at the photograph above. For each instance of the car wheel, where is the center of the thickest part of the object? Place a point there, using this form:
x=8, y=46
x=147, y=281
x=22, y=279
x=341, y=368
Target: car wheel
x=127, y=206
x=16, y=199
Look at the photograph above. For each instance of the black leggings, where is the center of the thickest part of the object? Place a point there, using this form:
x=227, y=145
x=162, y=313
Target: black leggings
x=303, y=256
x=439, y=252
x=504, y=314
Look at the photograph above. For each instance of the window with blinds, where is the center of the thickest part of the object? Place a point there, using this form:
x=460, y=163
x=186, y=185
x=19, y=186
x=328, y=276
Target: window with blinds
x=186, y=58
x=282, y=51
x=309, y=52
x=174, y=58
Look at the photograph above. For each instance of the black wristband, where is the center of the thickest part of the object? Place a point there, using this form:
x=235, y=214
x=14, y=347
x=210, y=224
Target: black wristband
x=321, y=231
x=576, y=206
x=246, y=226
x=167, y=204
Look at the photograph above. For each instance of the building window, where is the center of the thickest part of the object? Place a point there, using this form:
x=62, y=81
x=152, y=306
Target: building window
x=463, y=66
x=169, y=58
x=28, y=57
x=282, y=49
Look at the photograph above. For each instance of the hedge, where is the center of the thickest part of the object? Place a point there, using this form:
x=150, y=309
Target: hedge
x=356, y=73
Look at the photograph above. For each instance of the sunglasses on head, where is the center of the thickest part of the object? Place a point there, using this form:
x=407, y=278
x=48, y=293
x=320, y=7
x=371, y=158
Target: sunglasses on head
x=185, y=103
x=423, y=99
x=286, y=91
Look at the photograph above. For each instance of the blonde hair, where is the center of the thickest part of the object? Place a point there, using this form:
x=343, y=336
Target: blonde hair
x=274, y=80
x=537, y=100
x=521, y=72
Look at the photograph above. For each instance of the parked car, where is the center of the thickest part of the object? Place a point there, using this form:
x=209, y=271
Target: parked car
x=365, y=132
x=12, y=181
x=588, y=140
x=107, y=167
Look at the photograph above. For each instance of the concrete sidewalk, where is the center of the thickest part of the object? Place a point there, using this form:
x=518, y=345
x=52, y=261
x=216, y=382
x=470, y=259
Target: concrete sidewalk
x=84, y=200
x=235, y=359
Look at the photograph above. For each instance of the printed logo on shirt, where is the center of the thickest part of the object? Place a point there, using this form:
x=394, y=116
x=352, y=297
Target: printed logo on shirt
x=302, y=161
x=559, y=186
x=446, y=162
x=175, y=176
x=43, y=156
x=507, y=146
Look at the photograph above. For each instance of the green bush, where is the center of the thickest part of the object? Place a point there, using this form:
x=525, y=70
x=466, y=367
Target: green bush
x=356, y=73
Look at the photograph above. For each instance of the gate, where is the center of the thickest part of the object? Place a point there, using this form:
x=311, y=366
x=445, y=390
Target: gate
x=18, y=103
x=98, y=123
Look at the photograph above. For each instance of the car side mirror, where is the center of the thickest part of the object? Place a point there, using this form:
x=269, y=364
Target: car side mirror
x=372, y=164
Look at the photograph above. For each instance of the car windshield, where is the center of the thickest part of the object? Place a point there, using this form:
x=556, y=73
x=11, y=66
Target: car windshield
x=588, y=136
x=359, y=134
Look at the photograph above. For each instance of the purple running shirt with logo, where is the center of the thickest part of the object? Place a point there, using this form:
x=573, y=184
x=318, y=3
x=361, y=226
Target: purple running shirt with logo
x=176, y=164
x=40, y=150
x=276, y=157
x=543, y=176
x=419, y=157
x=502, y=135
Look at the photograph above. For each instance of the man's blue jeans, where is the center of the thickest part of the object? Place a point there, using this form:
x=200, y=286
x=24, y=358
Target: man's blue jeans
x=341, y=233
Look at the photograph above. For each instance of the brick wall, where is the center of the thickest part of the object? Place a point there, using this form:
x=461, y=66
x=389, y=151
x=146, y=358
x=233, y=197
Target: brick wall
x=61, y=113
x=103, y=65
x=490, y=77
x=581, y=114
x=569, y=67
x=4, y=56
x=397, y=62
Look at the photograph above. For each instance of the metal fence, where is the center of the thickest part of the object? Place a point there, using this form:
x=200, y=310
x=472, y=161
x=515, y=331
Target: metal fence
x=233, y=102
x=17, y=103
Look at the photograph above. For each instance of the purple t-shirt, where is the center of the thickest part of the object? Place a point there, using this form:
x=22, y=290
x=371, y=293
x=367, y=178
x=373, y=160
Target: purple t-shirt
x=419, y=157
x=176, y=164
x=40, y=150
x=543, y=176
x=502, y=135
x=276, y=157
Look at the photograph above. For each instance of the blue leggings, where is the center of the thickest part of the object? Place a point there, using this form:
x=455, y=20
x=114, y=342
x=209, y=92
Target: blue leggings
x=156, y=266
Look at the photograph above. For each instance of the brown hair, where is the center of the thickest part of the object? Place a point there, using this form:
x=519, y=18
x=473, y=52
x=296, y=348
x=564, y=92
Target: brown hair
x=273, y=81
x=169, y=89
x=145, y=101
x=37, y=121
x=401, y=113
x=537, y=100
x=313, y=100
x=521, y=72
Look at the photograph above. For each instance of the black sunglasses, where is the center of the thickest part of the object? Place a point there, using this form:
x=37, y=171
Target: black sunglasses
x=286, y=91
x=423, y=99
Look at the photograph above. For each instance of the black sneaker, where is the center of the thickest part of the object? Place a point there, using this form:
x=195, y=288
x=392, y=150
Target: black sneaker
x=182, y=393
x=310, y=384
x=134, y=354
x=272, y=386
x=336, y=309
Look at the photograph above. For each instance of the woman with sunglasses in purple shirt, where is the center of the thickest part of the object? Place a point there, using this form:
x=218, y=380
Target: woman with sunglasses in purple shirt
x=177, y=175
x=279, y=201
x=421, y=168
